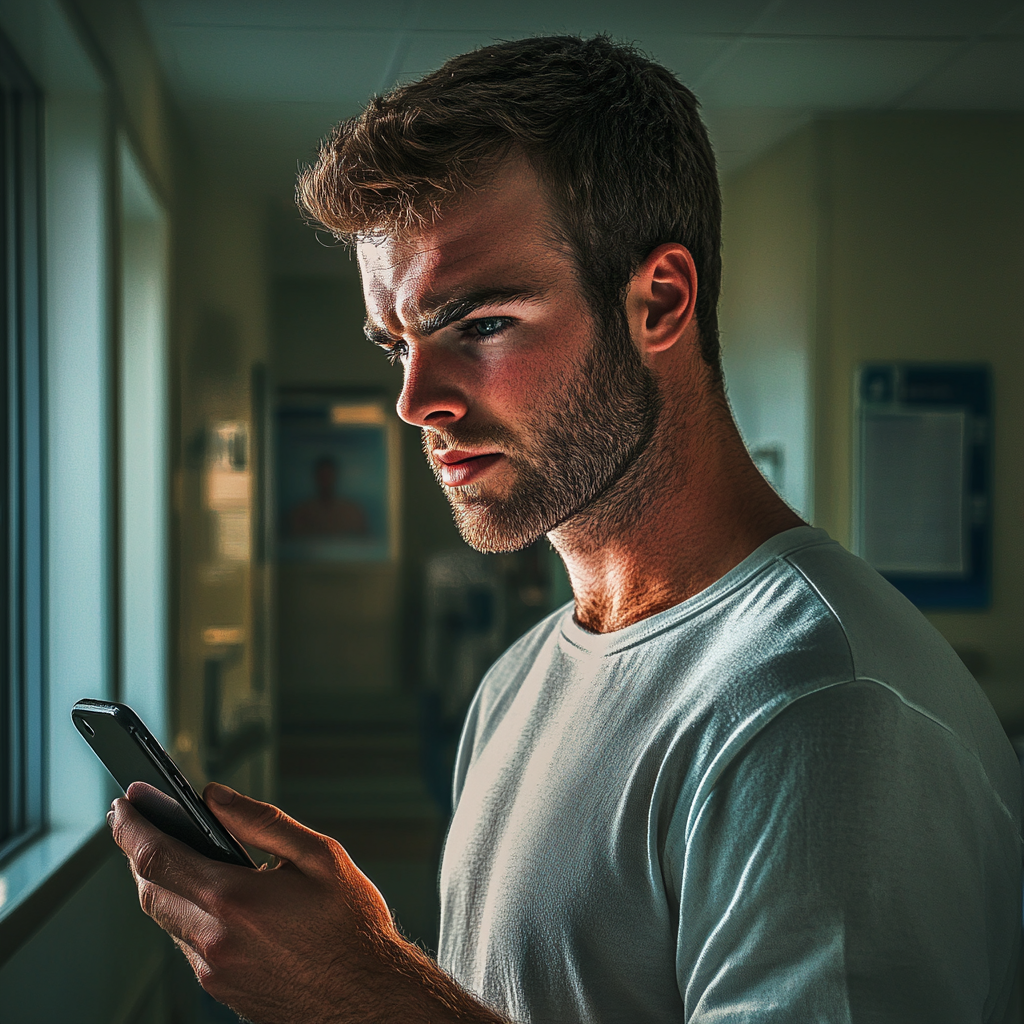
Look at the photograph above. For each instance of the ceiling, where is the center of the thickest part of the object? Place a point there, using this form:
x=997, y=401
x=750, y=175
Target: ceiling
x=260, y=81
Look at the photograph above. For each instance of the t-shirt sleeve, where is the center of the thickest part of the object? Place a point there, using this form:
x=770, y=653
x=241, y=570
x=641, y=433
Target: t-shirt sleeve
x=851, y=864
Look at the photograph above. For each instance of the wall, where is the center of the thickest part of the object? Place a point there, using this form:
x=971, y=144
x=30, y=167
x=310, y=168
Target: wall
x=119, y=957
x=223, y=576
x=337, y=623
x=915, y=251
x=143, y=448
x=926, y=256
x=767, y=311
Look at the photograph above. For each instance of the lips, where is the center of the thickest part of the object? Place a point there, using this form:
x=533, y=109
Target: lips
x=459, y=468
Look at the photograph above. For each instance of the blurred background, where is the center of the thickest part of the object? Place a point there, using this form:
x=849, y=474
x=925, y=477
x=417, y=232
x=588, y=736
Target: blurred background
x=213, y=514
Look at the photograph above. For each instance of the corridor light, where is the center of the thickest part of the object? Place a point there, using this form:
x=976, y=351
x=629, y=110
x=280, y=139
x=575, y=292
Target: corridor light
x=343, y=415
x=222, y=636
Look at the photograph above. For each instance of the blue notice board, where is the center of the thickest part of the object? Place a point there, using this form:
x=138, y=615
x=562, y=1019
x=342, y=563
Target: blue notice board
x=923, y=480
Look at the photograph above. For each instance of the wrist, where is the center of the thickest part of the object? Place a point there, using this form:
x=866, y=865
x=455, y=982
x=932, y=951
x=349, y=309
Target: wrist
x=416, y=990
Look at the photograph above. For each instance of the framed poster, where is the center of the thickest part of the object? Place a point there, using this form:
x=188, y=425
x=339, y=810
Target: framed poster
x=337, y=478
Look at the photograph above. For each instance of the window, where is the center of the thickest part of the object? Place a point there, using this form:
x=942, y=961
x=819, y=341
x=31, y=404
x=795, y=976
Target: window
x=21, y=782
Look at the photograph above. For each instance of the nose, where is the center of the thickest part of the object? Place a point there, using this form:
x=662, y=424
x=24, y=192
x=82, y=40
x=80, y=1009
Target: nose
x=431, y=396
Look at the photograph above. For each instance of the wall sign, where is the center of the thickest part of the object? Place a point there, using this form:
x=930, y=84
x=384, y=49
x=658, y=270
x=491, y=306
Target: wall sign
x=922, y=481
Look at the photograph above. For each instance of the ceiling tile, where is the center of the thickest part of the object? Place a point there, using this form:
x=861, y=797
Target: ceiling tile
x=827, y=74
x=626, y=21
x=1013, y=23
x=989, y=76
x=688, y=56
x=427, y=51
x=739, y=135
x=527, y=17
x=914, y=18
x=292, y=14
x=271, y=64
x=260, y=81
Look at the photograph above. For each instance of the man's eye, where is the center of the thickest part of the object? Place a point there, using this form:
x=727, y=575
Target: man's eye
x=486, y=327
x=394, y=351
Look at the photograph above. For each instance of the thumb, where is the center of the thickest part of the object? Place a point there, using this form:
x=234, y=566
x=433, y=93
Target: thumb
x=266, y=827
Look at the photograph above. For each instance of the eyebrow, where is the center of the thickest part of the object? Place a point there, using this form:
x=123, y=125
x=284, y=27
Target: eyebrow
x=437, y=317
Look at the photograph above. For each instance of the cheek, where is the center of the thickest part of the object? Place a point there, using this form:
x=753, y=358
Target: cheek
x=534, y=377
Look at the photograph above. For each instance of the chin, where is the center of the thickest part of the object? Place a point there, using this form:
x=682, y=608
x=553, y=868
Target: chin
x=489, y=532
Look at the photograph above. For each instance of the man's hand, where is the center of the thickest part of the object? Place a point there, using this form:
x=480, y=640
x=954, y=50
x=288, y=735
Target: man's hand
x=310, y=941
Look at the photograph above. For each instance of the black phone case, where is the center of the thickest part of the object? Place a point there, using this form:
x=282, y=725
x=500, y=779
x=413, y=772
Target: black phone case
x=133, y=756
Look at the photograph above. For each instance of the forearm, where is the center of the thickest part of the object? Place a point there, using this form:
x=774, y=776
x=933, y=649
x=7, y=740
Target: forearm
x=413, y=989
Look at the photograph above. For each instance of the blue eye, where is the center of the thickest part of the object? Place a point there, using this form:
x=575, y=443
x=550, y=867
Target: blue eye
x=487, y=327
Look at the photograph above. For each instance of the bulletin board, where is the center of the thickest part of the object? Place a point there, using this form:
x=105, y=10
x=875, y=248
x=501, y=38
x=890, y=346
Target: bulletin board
x=923, y=479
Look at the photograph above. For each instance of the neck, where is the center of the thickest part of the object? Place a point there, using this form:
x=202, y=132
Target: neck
x=691, y=507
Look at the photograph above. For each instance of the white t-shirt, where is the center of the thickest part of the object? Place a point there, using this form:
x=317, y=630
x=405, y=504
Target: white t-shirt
x=783, y=800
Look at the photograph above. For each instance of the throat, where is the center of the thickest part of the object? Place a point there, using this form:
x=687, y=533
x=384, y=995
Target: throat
x=677, y=521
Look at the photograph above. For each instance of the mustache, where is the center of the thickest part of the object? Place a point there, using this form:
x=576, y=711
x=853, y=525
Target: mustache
x=435, y=438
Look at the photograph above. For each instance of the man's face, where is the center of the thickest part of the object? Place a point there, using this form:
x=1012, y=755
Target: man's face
x=325, y=476
x=530, y=411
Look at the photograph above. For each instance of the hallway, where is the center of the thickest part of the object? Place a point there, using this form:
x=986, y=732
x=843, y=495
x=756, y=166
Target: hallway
x=215, y=515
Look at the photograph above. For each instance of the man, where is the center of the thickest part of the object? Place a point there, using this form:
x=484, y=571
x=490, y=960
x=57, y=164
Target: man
x=327, y=514
x=744, y=780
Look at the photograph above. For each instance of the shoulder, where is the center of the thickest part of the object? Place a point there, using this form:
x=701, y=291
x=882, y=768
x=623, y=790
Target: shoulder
x=815, y=640
x=892, y=644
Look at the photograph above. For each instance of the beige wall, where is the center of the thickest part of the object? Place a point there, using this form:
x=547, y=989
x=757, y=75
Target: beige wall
x=915, y=251
x=222, y=331
x=925, y=251
x=767, y=314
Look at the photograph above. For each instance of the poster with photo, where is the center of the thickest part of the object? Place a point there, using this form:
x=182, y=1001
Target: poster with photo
x=336, y=479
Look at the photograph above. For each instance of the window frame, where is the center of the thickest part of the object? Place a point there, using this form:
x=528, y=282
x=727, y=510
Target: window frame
x=22, y=776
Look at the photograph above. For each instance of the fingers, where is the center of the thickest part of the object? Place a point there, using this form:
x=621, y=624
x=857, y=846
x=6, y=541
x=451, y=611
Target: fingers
x=167, y=863
x=201, y=969
x=186, y=923
x=269, y=829
x=158, y=864
x=196, y=962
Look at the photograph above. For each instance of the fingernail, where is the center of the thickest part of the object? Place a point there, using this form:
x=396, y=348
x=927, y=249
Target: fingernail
x=110, y=819
x=220, y=794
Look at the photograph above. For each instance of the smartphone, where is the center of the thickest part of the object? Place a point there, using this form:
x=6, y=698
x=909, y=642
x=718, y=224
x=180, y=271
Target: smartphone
x=152, y=781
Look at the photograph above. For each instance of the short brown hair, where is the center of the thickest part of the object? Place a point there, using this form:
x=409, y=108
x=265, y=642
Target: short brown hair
x=615, y=137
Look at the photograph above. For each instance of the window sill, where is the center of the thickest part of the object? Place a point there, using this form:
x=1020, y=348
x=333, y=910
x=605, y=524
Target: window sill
x=40, y=877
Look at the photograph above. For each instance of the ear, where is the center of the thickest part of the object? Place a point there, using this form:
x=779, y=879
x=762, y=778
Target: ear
x=661, y=298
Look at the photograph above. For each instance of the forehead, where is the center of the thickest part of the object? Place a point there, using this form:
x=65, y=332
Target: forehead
x=488, y=238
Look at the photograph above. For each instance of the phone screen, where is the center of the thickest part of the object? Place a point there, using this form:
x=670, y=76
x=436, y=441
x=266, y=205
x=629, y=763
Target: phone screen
x=120, y=743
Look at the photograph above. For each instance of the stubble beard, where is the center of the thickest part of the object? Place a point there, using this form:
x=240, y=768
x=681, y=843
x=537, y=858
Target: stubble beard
x=574, y=459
